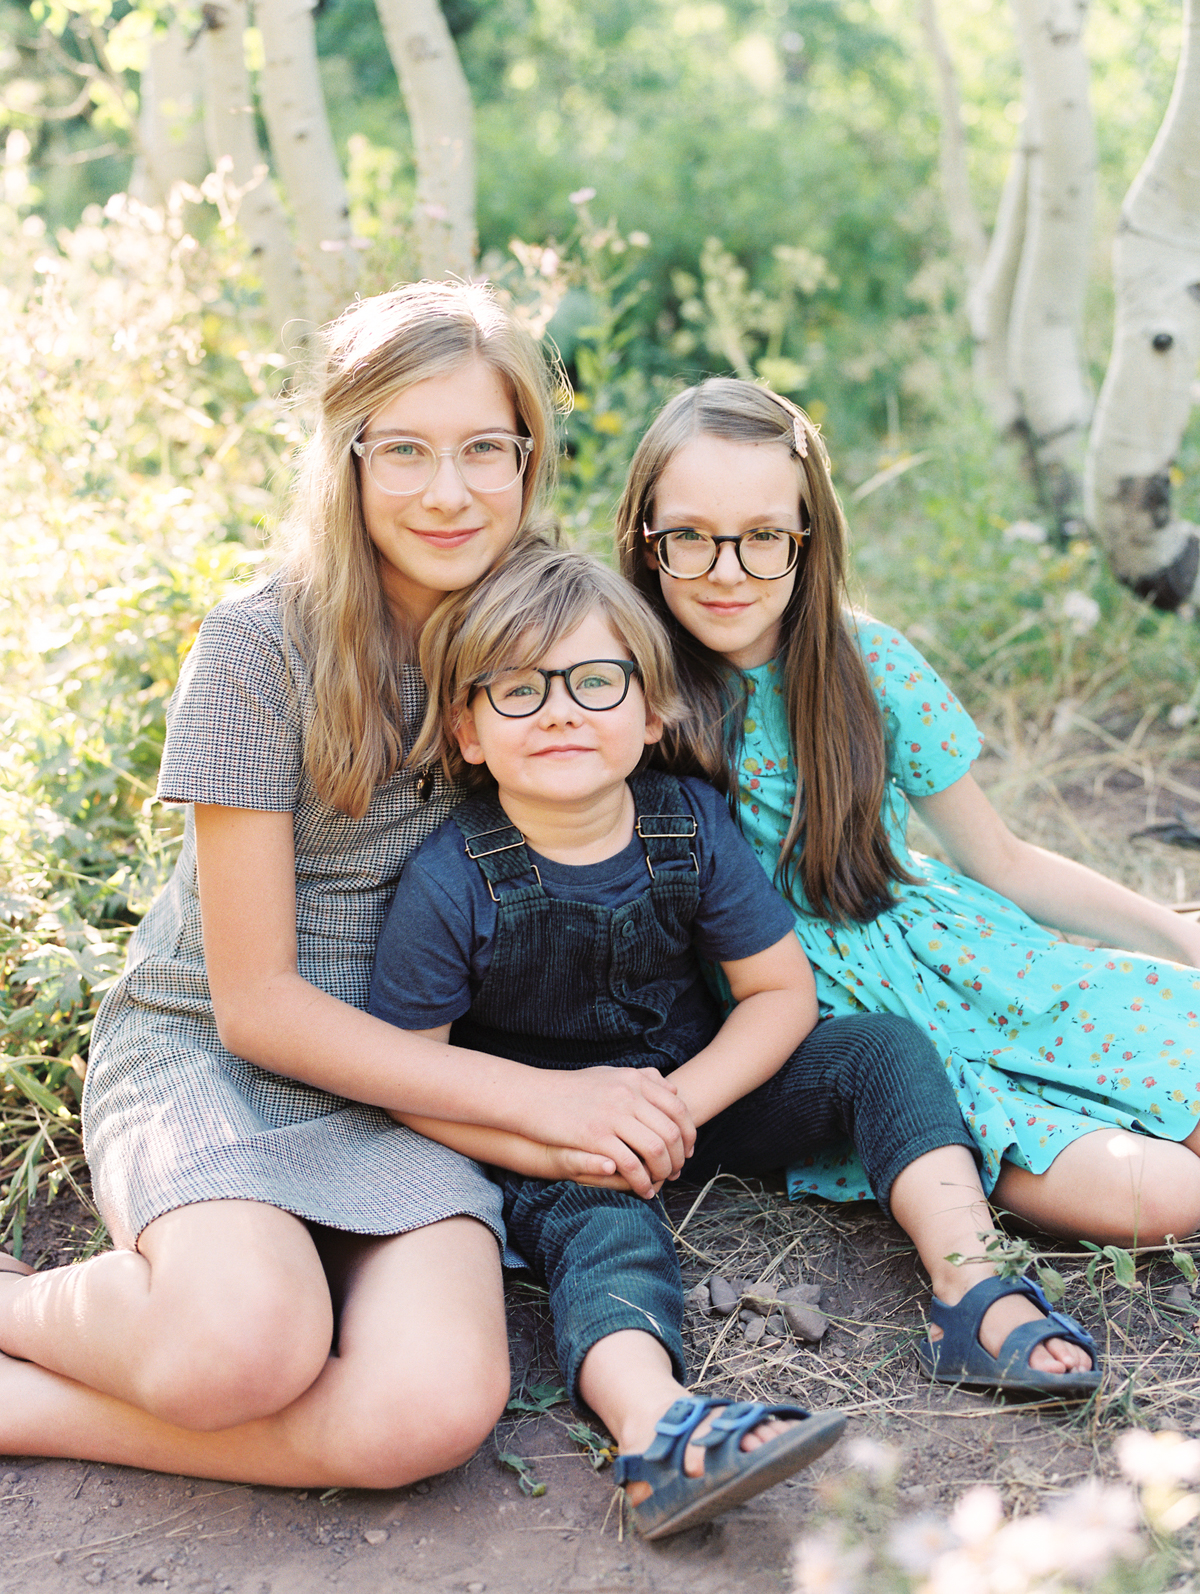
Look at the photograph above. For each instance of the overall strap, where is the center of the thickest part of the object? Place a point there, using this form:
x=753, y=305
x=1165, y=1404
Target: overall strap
x=666, y=825
x=496, y=845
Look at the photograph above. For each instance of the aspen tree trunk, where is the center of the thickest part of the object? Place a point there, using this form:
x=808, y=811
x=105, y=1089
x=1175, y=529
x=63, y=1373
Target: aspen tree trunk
x=1044, y=336
x=246, y=191
x=989, y=303
x=443, y=129
x=1146, y=398
x=302, y=148
x=170, y=119
x=965, y=226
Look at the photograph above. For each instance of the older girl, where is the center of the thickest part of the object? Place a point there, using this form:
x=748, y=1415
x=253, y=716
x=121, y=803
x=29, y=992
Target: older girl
x=303, y=1292
x=1076, y=1071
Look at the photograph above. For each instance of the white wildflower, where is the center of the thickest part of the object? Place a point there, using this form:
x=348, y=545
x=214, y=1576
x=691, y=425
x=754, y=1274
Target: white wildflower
x=1164, y=1458
x=1025, y=531
x=1082, y=611
x=917, y=1542
x=880, y=1462
x=977, y=1515
x=823, y=1564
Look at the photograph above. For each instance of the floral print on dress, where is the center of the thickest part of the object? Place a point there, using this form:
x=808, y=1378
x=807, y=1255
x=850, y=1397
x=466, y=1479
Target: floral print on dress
x=1044, y=1041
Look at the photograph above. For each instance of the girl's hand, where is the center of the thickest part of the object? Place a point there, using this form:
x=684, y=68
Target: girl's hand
x=633, y=1116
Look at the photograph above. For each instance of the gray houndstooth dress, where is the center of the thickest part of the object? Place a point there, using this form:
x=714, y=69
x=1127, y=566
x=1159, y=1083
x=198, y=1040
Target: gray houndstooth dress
x=170, y=1117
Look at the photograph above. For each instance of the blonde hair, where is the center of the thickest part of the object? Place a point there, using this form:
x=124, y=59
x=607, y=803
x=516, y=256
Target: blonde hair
x=512, y=618
x=836, y=843
x=334, y=609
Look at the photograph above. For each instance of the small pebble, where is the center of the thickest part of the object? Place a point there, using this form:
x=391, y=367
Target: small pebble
x=755, y=1329
x=698, y=1299
x=802, y=1294
x=724, y=1297
x=777, y=1325
x=747, y=1316
x=59, y=1557
x=160, y=1574
x=94, y=1577
x=806, y=1323
x=376, y=1535
x=421, y=1488
x=11, y=1477
x=476, y=1588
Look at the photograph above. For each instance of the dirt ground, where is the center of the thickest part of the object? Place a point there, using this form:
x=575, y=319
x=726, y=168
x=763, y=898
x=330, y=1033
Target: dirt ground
x=63, y=1524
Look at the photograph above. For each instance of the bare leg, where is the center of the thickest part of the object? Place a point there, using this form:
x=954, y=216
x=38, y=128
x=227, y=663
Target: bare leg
x=938, y=1201
x=420, y=1378
x=1112, y=1187
x=626, y=1378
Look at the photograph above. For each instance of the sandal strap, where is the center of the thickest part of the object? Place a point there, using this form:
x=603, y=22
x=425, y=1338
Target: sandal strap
x=737, y=1421
x=671, y=1434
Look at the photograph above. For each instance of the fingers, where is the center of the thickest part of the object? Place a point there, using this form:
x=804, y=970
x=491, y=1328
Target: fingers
x=584, y=1167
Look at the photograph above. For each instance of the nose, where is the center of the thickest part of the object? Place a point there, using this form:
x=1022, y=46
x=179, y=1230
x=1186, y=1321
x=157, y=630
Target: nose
x=447, y=491
x=558, y=706
x=727, y=572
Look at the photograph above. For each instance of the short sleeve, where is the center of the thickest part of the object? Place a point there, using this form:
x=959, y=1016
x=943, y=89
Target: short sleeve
x=932, y=740
x=234, y=728
x=740, y=912
x=437, y=939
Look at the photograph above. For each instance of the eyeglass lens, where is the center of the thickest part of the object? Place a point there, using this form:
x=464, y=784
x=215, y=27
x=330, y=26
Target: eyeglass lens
x=762, y=552
x=597, y=684
x=487, y=464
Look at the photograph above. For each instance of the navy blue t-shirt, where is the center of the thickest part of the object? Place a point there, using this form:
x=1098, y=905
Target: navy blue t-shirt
x=436, y=943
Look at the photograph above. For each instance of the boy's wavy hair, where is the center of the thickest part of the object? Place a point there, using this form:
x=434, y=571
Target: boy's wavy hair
x=334, y=609
x=836, y=845
x=511, y=619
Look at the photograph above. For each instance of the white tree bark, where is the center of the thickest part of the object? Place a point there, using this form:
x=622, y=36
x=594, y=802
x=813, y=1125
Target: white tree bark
x=965, y=226
x=244, y=189
x=170, y=119
x=443, y=129
x=989, y=303
x=1044, y=352
x=1146, y=398
x=304, y=155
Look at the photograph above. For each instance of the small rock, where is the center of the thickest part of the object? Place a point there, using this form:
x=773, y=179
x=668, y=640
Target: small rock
x=476, y=1588
x=698, y=1300
x=59, y=1557
x=777, y=1325
x=756, y=1301
x=747, y=1316
x=755, y=1329
x=94, y=1577
x=802, y=1294
x=376, y=1535
x=806, y=1322
x=1180, y=1298
x=421, y=1488
x=11, y=1477
x=723, y=1296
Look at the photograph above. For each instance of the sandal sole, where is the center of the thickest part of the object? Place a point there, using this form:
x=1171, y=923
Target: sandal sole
x=1064, y=1386
x=780, y=1459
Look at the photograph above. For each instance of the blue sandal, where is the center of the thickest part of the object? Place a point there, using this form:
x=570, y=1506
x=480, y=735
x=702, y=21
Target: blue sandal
x=959, y=1358
x=730, y=1474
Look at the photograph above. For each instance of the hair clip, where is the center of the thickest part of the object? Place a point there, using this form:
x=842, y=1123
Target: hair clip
x=799, y=437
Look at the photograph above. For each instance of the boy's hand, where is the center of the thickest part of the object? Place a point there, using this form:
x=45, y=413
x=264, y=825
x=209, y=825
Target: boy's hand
x=632, y=1116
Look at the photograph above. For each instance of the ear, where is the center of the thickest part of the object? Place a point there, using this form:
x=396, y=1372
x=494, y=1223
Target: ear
x=467, y=737
x=649, y=555
x=654, y=728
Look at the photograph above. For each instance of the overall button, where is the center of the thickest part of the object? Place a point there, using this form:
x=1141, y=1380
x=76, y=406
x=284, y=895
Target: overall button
x=628, y=928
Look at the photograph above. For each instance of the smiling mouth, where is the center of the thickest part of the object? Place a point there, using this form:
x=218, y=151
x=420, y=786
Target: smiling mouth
x=447, y=539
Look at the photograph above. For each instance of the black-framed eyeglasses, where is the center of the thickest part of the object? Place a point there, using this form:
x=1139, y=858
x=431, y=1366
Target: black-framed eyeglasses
x=404, y=466
x=766, y=552
x=598, y=684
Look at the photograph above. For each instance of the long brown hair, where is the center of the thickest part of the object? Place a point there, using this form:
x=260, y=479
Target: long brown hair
x=334, y=609
x=836, y=843
x=512, y=618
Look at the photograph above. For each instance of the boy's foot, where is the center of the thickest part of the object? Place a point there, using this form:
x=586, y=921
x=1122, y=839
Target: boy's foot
x=1003, y=1333
x=708, y=1455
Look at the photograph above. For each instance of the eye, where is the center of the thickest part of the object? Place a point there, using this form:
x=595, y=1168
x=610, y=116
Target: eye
x=686, y=534
x=482, y=447
x=401, y=448
x=765, y=536
x=514, y=691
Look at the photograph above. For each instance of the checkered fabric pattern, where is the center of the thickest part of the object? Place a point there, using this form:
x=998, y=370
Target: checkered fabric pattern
x=170, y=1116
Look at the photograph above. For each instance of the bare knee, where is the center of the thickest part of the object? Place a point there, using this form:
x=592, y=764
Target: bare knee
x=236, y=1358
x=1111, y=1187
x=406, y=1433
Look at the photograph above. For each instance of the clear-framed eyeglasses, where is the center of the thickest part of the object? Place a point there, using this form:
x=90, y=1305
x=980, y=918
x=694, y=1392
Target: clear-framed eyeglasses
x=404, y=466
x=597, y=684
x=766, y=552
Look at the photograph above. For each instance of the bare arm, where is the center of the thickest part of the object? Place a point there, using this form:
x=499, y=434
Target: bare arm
x=1051, y=889
x=266, y=1013
x=500, y=1147
x=776, y=1008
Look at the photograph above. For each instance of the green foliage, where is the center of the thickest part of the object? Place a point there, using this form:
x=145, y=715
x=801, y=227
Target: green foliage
x=142, y=446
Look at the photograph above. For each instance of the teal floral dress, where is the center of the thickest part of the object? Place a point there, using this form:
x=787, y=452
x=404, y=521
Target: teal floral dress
x=1043, y=1040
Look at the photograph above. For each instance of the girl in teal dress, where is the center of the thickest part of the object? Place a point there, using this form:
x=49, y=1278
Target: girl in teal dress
x=1078, y=1071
